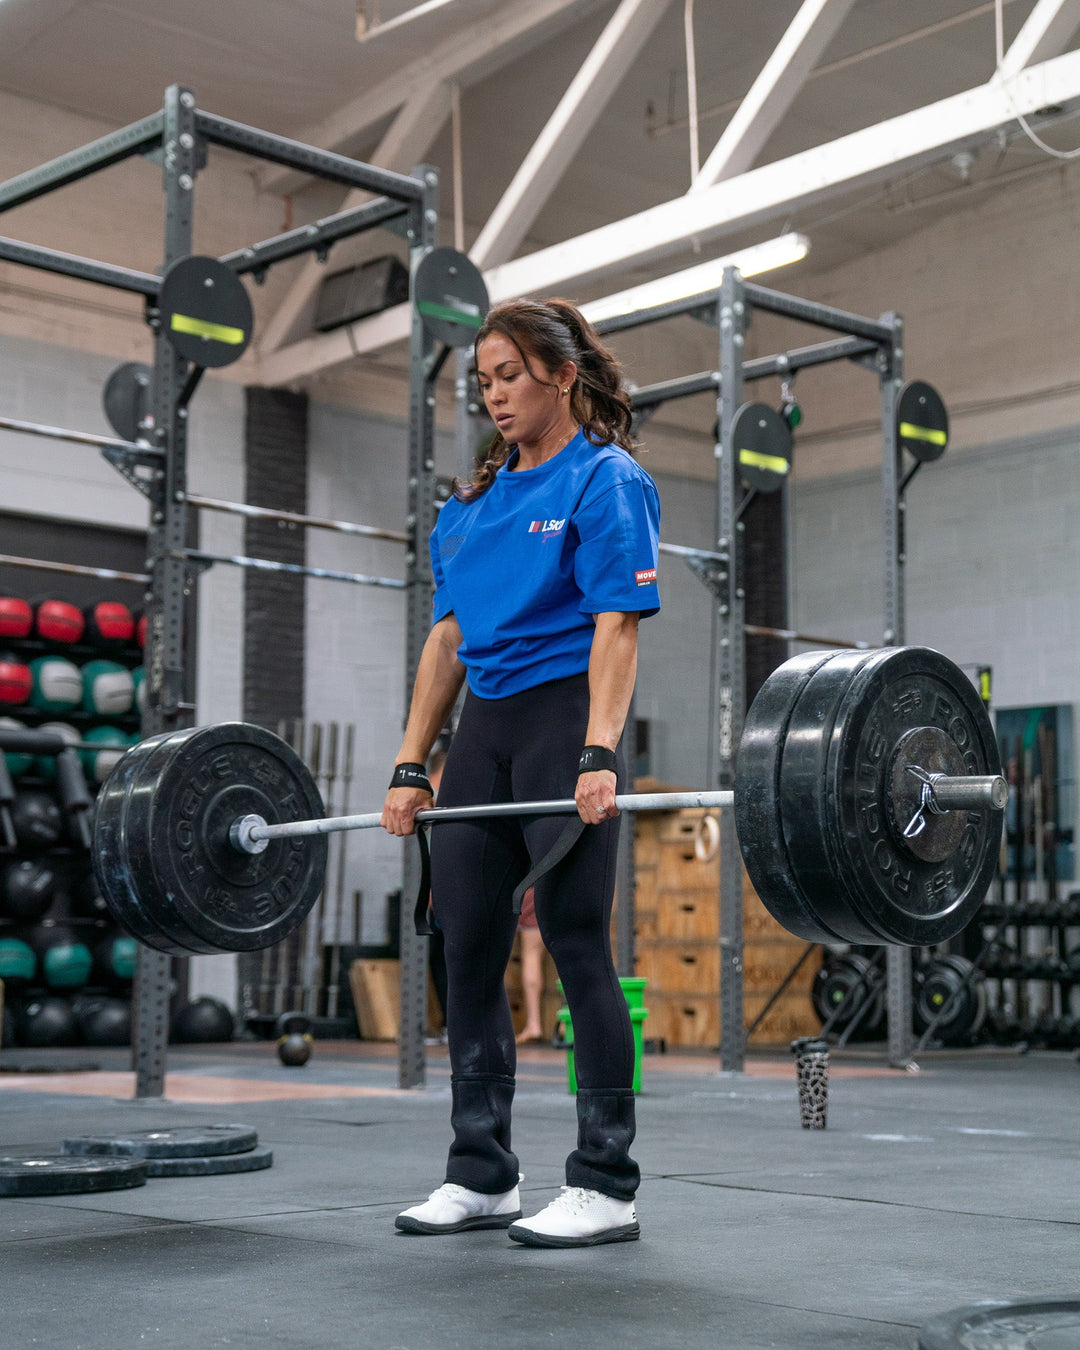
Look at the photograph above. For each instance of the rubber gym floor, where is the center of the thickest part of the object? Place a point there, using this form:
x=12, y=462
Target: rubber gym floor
x=927, y=1191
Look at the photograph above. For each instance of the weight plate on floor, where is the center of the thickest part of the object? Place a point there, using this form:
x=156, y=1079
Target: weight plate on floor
x=58, y=1174
x=762, y=441
x=1040, y=1324
x=922, y=424
x=163, y=856
x=185, y=1141
x=205, y=311
x=840, y=989
x=253, y=1161
x=850, y=862
x=450, y=296
x=757, y=800
x=943, y=979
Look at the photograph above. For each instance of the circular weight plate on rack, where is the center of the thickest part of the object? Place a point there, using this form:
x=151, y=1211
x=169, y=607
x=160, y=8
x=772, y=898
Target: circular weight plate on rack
x=931, y=749
x=1039, y=1324
x=841, y=987
x=922, y=422
x=937, y=982
x=57, y=1174
x=757, y=799
x=162, y=852
x=255, y=1160
x=205, y=311
x=127, y=399
x=450, y=296
x=853, y=868
x=185, y=1141
x=762, y=441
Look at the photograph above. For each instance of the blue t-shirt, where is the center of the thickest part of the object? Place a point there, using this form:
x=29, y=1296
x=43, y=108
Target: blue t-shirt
x=524, y=568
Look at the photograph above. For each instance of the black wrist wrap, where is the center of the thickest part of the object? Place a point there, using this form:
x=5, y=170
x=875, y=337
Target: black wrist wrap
x=595, y=757
x=411, y=775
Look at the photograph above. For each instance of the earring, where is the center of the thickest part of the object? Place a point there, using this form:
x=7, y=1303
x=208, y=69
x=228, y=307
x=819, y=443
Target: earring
x=566, y=390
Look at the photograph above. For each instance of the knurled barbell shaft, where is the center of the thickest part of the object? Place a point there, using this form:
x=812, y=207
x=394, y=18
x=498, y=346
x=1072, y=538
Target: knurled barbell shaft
x=250, y=833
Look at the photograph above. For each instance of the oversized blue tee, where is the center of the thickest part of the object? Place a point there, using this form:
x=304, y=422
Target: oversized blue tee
x=525, y=567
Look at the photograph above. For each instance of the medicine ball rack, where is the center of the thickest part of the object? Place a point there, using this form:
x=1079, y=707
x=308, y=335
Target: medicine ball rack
x=211, y=327
x=877, y=346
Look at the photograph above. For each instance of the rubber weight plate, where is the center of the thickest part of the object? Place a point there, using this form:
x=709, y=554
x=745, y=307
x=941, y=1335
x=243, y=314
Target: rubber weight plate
x=939, y=982
x=165, y=844
x=757, y=799
x=255, y=1160
x=123, y=875
x=1042, y=1324
x=58, y=1174
x=840, y=989
x=186, y=1141
x=841, y=825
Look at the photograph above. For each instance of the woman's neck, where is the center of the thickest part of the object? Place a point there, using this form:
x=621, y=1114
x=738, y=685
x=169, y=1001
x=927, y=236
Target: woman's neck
x=535, y=453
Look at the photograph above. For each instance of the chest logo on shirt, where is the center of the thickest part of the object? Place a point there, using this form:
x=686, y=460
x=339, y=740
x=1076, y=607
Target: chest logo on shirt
x=547, y=526
x=450, y=545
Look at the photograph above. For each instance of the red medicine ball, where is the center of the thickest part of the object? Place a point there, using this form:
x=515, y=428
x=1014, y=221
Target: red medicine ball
x=16, y=617
x=140, y=630
x=16, y=680
x=57, y=621
x=109, y=624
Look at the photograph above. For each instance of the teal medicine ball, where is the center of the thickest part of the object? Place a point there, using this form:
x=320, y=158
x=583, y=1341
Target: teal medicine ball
x=17, y=961
x=66, y=964
x=138, y=676
x=57, y=684
x=107, y=688
x=98, y=764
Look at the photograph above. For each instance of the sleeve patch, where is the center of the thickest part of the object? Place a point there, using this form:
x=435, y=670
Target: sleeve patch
x=647, y=577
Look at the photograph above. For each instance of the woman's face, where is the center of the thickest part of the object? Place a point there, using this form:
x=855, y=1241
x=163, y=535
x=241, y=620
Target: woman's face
x=523, y=406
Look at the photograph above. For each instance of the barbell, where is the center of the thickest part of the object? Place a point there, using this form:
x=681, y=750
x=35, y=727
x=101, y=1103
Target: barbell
x=868, y=806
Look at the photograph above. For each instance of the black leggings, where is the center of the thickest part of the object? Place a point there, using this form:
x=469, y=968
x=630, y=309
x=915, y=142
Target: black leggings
x=524, y=748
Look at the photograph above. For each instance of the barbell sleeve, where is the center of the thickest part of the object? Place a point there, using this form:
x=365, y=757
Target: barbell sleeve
x=965, y=793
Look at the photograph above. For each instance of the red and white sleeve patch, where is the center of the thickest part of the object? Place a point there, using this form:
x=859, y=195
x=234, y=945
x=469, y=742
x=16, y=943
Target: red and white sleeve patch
x=647, y=577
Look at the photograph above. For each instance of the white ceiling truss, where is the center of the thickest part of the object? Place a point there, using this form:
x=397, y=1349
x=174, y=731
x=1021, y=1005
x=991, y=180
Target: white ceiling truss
x=422, y=94
x=730, y=194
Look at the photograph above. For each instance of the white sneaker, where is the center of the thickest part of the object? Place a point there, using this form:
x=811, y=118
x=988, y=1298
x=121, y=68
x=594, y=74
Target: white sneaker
x=579, y=1218
x=453, y=1209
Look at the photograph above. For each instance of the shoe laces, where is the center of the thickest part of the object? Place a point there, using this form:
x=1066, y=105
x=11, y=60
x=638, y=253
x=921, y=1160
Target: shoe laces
x=451, y=1190
x=573, y=1199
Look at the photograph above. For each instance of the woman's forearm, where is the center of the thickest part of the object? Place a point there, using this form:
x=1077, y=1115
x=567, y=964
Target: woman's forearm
x=612, y=671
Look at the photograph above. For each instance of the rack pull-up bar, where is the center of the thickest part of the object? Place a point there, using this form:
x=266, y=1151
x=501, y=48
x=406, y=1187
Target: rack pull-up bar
x=296, y=518
x=76, y=437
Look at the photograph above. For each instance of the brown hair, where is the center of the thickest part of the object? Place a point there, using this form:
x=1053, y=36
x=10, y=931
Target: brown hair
x=554, y=332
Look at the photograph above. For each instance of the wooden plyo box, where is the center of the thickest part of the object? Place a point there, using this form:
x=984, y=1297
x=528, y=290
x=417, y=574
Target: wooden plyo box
x=376, y=991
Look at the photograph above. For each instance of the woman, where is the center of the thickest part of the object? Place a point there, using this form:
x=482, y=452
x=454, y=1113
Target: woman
x=543, y=564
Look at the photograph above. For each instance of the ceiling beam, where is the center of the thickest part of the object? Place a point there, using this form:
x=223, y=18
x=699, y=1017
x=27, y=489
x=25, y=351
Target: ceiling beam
x=778, y=189
x=774, y=90
x=612, y=55
x=1046, y=33
x=403, y=146
x=473, y=52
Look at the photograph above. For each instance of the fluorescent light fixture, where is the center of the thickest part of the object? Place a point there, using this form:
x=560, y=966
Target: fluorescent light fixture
x=700, y=280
